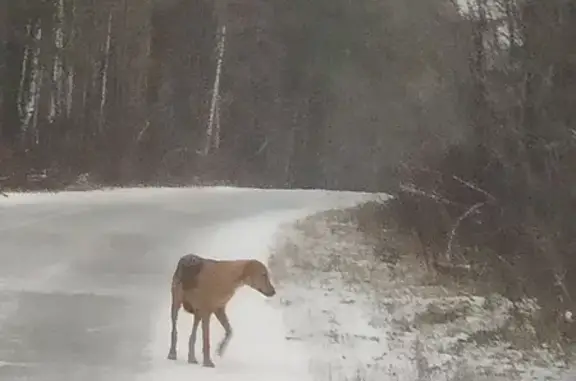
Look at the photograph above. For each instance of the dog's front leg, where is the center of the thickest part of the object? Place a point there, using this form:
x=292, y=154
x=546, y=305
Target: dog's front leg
x=223, y=319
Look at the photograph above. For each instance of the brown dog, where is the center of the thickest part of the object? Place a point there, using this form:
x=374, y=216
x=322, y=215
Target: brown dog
x=204, y=287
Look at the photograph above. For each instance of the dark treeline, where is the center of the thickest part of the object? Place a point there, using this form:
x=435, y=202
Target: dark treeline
x=328, y=94
x=465, y=111
x=503, y=198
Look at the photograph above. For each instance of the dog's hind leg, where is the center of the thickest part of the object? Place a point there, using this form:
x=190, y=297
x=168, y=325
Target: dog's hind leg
x=223, y=319
x=174, y=336
x=206, y=340
x=176, y=302
x=192, y=341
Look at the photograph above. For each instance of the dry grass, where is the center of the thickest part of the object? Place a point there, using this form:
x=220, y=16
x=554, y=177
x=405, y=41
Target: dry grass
x=454, y=328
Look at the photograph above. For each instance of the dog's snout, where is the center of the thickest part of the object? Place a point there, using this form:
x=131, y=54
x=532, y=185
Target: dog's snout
x=272, y=292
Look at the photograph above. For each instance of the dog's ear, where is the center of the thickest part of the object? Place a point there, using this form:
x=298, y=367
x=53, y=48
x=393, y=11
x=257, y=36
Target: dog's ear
x=252, y=267
x=247, y=270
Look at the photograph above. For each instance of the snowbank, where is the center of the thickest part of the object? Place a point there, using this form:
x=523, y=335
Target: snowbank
x=259, y=349
x=367, y=320
x=103, y=195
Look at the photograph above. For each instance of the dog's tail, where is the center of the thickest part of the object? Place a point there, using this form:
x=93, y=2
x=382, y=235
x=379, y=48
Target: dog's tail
x=177, y=276
x=186, y=277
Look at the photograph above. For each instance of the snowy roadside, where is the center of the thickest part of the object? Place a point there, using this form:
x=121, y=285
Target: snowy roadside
x=103, y=195
x=362, y=319
x=153, y=226
x=259, y=349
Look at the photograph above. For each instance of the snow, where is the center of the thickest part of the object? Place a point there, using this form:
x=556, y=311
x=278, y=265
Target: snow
x=339, y=315
x=327, y=199
x=361, y=319
x=113, y=250
x=101, y=195
x=258, y=349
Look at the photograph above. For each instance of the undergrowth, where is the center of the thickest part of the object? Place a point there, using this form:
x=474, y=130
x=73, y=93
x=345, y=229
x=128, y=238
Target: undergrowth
x=475, y=269
x=354, y=286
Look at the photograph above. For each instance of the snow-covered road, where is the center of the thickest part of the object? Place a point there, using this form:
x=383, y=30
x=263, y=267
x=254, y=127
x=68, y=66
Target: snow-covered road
x=84, y=281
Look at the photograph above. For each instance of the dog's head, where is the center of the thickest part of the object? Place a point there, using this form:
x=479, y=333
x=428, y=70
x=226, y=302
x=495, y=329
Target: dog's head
x=257, y=277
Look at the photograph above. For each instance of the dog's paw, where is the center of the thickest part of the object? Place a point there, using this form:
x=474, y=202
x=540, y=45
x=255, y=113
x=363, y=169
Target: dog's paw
x=208, y=364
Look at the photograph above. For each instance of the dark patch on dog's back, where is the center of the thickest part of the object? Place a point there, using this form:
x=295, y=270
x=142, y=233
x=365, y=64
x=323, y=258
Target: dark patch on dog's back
x=189, y=266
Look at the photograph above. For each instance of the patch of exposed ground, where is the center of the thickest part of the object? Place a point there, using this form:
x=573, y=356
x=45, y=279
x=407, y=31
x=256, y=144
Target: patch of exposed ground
x=368, y=319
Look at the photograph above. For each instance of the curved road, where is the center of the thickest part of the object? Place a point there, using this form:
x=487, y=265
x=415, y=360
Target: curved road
x=83, y=275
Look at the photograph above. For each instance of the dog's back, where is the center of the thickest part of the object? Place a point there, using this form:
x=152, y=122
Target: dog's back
x=206, y=283
x=188, y=269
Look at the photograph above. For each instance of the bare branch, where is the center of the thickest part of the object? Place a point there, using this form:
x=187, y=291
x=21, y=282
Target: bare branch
x=411, y=189
x=471, y=210
x=474, y=187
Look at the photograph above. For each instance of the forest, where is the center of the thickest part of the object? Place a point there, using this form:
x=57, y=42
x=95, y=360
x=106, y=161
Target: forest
x=464, y=111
